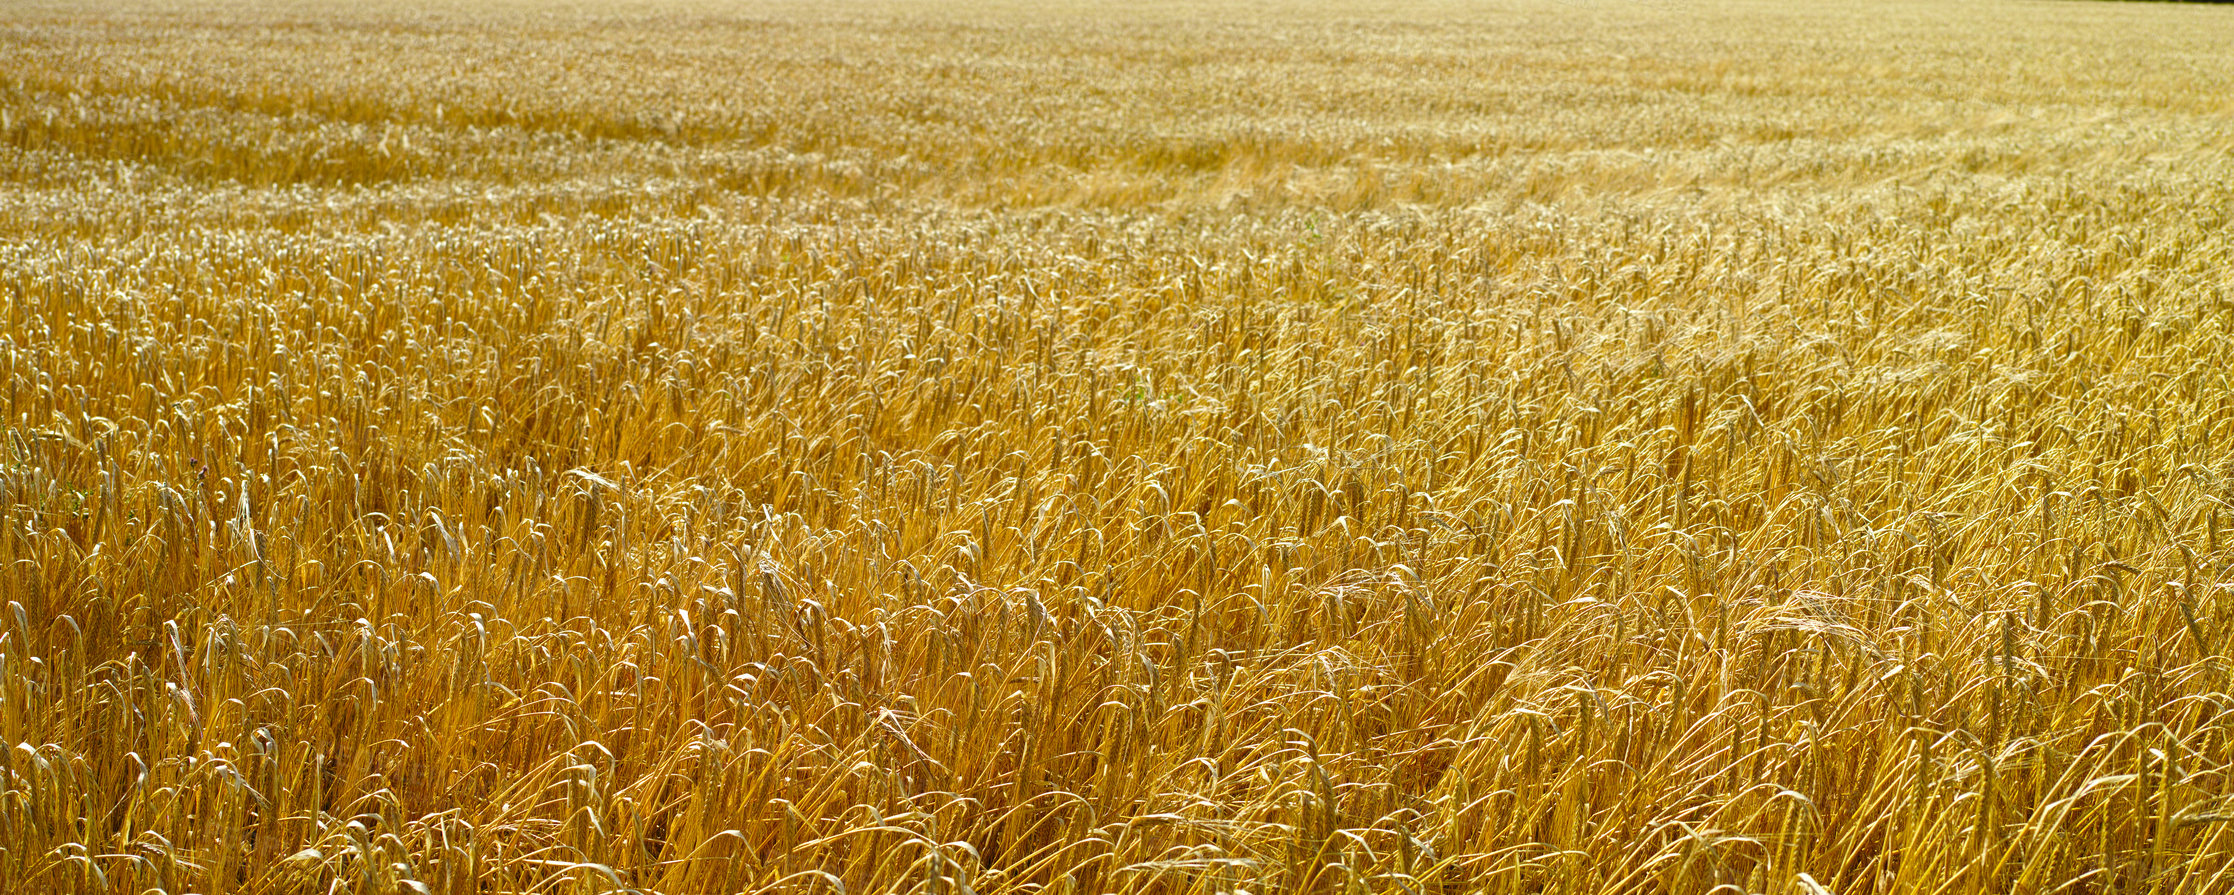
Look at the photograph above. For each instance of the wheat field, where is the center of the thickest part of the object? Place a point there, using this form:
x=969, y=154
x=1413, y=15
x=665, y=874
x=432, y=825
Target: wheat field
x=1510, y=446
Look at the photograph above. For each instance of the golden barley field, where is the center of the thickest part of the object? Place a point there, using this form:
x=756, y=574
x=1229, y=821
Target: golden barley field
x=1422, y=446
